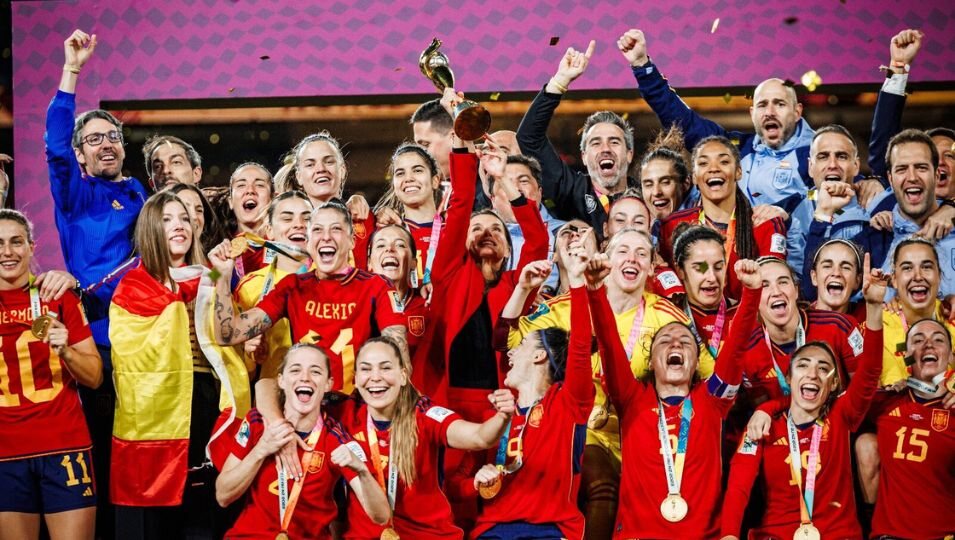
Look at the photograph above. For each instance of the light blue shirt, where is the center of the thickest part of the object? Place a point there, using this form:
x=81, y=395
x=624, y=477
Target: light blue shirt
x=903, y=228
x=769, y=175
x=517, y=242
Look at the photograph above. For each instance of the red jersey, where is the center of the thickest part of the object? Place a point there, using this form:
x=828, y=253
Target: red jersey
x=665, y=282
x=544, y=490
x=643, y=485
x=917, y=451
x=841, y=334
x=421, y=511
x=316, y=506
x=834, y=512
x=770, y=238
x=421, y=234
x=338, y=314
x=416, y=314
x=856, y=312
x=704, y=320
x=40, y=410
x=363, y=229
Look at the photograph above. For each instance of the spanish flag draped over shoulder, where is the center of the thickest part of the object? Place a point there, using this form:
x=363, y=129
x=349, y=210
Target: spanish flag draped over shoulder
x=153, y=373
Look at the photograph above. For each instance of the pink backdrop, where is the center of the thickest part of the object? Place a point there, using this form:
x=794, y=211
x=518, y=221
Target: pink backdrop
x=182, y=49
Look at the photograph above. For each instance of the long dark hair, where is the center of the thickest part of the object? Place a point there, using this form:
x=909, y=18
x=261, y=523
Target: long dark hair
x=745, y=241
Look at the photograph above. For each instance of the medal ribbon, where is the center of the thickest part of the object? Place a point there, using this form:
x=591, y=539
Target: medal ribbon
x=501, y=458
x=635, y=327
x=729, y=241
x=674, y=470
x=391, y=489
x=714, y=344
x=287, y=501
x=795, y=457
x=35, y=309
x=800, y=341
x=934, y=388
x=436, y=227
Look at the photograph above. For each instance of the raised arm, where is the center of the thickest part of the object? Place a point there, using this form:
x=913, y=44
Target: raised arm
x=238, y=473
x=229, y=328
x=729, y=373
x=465, y=435
x=578, y=374
x=744, y=468
x=887, y=117
x=666, y=104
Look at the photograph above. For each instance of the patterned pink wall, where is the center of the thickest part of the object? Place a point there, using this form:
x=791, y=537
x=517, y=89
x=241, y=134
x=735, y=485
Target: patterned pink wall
x=185, y=49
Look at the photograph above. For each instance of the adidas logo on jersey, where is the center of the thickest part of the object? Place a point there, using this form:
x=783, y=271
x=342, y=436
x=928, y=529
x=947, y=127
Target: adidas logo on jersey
x=781, y=442
x=88, y=492
x=896, y=412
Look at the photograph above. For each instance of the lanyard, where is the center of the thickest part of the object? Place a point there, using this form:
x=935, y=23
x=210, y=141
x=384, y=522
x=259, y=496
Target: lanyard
x=502, y=446
x=288, y=501
x=674, y=469
x=795, y=457
x=800, y=341
x=933, y=388
x=269, y=280
x=34, y=300
x=729, y=242
x=635, y=327
x=392, y=488
x=436, y=228
x=716, y=336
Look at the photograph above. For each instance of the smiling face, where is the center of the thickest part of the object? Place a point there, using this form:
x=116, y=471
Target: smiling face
x=568, y=233
x=716, y=172
x=379, y=376
x=833, y=158
x=812, y=377
x=661, y=187
x=321, y=171
x=674, y=355
x=606, y=156
x=105, y=159
x=412, y=180
x=16, y=252
x=915, y=276
x=169, y=165
x=945, y=189
x=628, y=213
x=836, y=276
x=290, y=219
x=775, y=112
x=391, y=253
x=178, y=230
x=777, y=305
x=704, y=273
x=524, y=360
x=305, y=379
x=930, y=346
x=329, y=241
x=197, y=213
x=250, y=193
x=913, y=180
x=487, y=238
x=631, y=255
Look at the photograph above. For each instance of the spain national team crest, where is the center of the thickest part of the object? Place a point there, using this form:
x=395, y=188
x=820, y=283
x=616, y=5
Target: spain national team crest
x=360, y=230
x=416, y=325
x=940, y=419
x=315, y=465
x=534, y=417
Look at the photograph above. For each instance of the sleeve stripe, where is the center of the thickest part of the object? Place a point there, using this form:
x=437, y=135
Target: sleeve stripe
x=720, y=389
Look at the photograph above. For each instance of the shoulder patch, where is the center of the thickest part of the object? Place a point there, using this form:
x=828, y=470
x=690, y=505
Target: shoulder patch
x=778, y=244
x=668, y=279
x=591, y=203
x=242, y=436
x=856, y=342
x=438, y=414
x=748, y=447
x=356, y=449
x=542, y=309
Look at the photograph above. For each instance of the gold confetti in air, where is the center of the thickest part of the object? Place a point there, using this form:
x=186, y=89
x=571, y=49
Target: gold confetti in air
x=495, y=96
x=727, y=97
x=554, y=40
x=811, y=80
x=625, y=116
x=716, y=24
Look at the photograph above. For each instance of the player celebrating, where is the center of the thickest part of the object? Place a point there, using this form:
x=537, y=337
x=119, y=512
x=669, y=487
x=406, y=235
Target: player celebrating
x=804, y=463
x=836, y=275
x=392, y=254
x=541, y=451
x=671, y=413
x=45, y=464
x=335, y=307
x=303, y=381
x=723, y=206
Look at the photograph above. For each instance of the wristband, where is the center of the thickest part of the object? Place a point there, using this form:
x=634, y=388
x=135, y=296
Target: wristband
x=563, y=89
x=825, y=219
x=71, y=69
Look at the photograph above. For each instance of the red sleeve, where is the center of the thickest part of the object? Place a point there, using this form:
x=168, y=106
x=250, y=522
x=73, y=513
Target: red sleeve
x=363, y=230
x=621, y=385
x=775, y=407
x=337, y=436
x=247, y=436
x=275, y=303
x=725, y=381
x=502, y=328
x=74, y=318
x=452, y=248
x=855, y=403
x=386, y=313
x=663, y=242
x=770, y=238
x=743, y=472
x=532, y=227
x=434, y=421
x=578, y=377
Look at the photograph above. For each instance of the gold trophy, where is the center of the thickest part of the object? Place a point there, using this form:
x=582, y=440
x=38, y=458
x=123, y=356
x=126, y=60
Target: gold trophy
x=471, y=119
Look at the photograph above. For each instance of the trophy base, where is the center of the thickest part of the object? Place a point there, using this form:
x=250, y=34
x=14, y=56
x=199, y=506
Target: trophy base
x=471, y=120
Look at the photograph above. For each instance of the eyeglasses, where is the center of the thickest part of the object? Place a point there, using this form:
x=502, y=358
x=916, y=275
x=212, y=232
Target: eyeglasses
x=96, y=139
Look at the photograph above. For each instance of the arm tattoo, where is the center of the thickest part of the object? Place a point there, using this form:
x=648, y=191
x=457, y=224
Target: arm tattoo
x=399, y=334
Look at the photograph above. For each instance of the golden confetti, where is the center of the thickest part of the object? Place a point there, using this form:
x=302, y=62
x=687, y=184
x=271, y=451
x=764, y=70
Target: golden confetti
x=811, y=80
x=495, y=96
x=727, y=97
x=716, y=24
x=625, y=116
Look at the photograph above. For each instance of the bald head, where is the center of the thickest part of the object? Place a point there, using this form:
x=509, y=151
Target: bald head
x=507, y=139
x=775, y=112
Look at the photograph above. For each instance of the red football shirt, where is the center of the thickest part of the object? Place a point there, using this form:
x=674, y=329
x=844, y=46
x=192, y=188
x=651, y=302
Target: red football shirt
x=643, y=485
x=363, y=230
x=37, y=393
x=421, y=233
x=422, y=510
x=834, y=511
x=917, y=474
x=705, y=322
x=337, y=314
x=316, y=506
x=544, y=490
x=770, y=238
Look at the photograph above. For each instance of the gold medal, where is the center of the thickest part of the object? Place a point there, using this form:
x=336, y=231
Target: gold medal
x=281, y=536
x=950, y=383
x=41, y=326
x=239, y=246
x=489, y=491
x=807, y=531
x=674, y=508
x=598, y=417
x=389, y=533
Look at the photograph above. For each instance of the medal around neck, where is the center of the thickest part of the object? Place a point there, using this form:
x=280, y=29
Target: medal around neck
x=471, y=119
x=598, y=417
x=281, y=536
x=389, y=534
x=674, y=508
x=41, y=326
x=807, y=531
x=239, y=245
